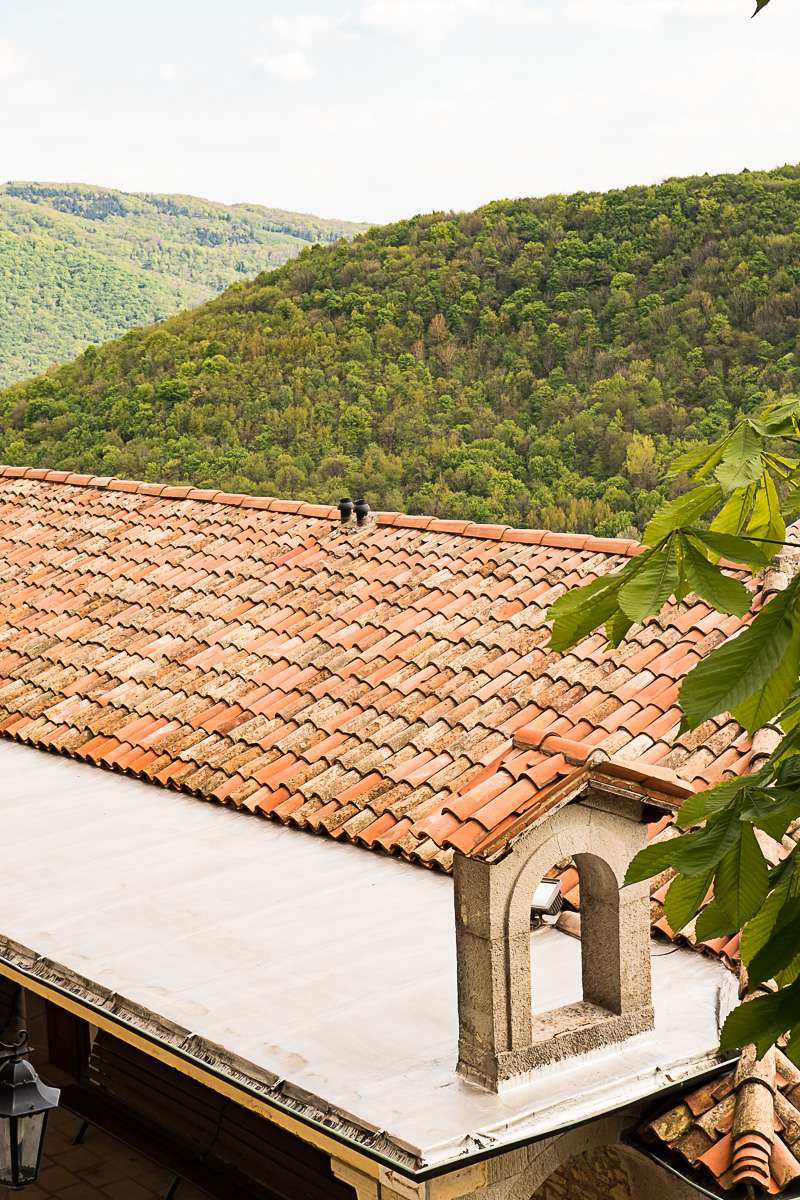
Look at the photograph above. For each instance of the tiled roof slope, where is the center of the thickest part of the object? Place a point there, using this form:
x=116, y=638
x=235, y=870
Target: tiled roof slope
x=743, y=1128
x=389, y=684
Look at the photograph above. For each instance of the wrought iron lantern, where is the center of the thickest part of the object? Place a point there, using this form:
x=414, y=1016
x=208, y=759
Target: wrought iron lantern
x=24, y=1104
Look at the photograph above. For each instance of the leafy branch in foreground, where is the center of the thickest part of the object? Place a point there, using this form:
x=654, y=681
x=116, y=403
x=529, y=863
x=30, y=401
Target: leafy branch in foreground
x=732, y=518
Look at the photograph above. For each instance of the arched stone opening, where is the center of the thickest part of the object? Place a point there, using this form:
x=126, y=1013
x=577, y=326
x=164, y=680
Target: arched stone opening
x=603, y=912
x=548, y=1159
x=595, y=1174
x=592, y=1162
x=499, y=1037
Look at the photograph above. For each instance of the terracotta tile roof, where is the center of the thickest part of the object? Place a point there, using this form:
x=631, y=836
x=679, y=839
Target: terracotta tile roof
x=743, y=1128
x=389, y=683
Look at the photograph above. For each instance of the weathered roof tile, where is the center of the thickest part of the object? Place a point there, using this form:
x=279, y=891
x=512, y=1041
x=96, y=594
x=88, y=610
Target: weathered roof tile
x=366, y=686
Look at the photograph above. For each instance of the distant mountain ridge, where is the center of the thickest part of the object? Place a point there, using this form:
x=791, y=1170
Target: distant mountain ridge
x=81, y=263
x=538, y=362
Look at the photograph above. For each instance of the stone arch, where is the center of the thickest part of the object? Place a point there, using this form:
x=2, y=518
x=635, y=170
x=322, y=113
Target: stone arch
x=499, y=1037
x=645, y=1177
x=548, y=1156
x=600, y=876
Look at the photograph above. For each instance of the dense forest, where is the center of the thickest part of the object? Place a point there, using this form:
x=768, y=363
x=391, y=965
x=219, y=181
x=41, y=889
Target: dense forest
x=83, y=264
x=536, y=362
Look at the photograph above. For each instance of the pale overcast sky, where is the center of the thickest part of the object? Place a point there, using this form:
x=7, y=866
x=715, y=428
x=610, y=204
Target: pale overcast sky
x=379, y=109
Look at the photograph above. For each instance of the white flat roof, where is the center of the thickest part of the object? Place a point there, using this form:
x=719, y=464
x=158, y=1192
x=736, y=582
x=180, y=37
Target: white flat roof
x=327, y=964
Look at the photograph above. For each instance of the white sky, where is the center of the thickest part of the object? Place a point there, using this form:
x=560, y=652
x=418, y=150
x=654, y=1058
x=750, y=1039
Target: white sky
x=379, y=109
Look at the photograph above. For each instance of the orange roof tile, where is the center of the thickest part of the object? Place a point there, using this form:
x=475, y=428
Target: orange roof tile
x=364, y=682
x=712, y=1128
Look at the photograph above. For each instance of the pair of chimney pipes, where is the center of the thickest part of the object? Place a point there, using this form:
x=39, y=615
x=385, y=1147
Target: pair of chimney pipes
x=347, y=508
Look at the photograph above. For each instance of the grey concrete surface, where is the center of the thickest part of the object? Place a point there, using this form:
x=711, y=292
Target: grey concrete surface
x=328, y=965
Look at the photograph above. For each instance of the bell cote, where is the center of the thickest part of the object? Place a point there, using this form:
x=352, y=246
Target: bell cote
x=598, y=817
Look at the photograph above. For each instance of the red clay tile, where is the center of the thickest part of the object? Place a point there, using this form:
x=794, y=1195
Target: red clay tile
x=495, y=532
x=437, y=826
x=266, y=801
x=136, y=759
x=281, y=506
x=719, y=1158
x=783, y=1165
x=512, y=799
x=376, y=829
x=286, y=808
x=116, y=754
x=325, y=511
x=257, y=623
x=525, y=537
x=394, y=835
x=663, y=778
x=610, y=545
x=203, y=494
x=575, y=753
x=259, y=502
x=437, y=526
x=655, y=827
x=357, y=789
x=408, y=522
x=223, y=791
x=566, y=541
x=568, y=879
x=175, y=493
x=466, y=838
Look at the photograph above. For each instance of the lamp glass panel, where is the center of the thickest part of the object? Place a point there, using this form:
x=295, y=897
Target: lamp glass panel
x=6, y=1165
x=30, y=1134
x=545, y=894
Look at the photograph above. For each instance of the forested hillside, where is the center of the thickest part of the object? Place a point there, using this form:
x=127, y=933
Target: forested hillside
x=83, y=264
x=536, y=362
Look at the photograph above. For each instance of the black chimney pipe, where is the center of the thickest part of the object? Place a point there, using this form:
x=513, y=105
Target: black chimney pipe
x=361, y=509
x=345, y=508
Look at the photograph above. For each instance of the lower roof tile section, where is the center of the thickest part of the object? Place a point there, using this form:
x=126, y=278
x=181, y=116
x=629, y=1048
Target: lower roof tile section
x=388, y=683
x=741, y=1130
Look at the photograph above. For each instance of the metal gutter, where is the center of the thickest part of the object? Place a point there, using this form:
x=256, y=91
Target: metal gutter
x=104, y=1018
x=520, y=1143
x=698, y=1187
x=326, y=1131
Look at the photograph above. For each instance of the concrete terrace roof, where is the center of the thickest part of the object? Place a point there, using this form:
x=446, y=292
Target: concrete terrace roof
x=388, y=685
x=321, y=976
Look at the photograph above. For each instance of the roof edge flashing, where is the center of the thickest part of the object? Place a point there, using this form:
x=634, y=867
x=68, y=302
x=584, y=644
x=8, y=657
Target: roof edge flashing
x=211, y=1058
x=327, y=1122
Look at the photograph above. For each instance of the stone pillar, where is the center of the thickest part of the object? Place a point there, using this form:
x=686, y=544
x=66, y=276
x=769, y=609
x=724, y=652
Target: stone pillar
x=615, y=942
x=484, y=973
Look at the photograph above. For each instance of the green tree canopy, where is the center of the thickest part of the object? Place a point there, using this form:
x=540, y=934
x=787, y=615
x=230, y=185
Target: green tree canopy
x=538, y=362
x=83, y=264
x=744, y=485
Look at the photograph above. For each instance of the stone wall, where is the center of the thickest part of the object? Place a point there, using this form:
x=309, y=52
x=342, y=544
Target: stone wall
x=596, y=1175
x=587, y=1163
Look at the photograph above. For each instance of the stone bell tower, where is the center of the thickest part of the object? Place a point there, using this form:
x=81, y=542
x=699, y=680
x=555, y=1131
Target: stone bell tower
x=598, y=816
